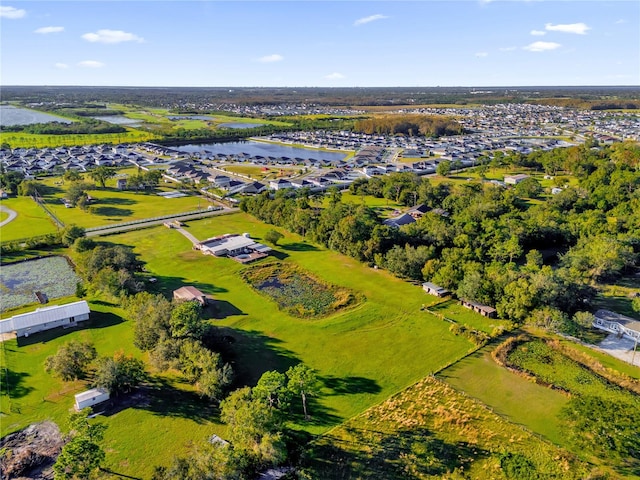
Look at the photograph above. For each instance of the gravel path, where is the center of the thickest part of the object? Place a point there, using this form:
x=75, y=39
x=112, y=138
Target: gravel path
x=12, y=215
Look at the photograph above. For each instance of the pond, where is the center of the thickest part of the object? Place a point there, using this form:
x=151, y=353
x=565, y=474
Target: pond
x=253, y=149
x=10, y=115
x=52, y=276
x=237, y=125
x=118, y=120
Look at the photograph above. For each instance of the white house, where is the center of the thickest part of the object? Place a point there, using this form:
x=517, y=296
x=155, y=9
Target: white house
x=46, y=318
x=90, y=398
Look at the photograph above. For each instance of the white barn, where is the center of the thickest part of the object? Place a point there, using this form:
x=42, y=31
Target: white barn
x=46, y=318
x=90, y=398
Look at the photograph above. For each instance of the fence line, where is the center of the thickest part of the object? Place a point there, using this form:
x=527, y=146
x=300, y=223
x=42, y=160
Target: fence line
x=145, y=220
x=38, y=199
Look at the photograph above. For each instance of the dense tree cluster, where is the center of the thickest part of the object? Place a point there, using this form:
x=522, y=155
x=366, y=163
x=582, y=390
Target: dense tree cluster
x=108, y=269
x=82, y=454
x=533, y=262
x=409, y=125
x=173, y=334
x=256, y=419
x=87, y=125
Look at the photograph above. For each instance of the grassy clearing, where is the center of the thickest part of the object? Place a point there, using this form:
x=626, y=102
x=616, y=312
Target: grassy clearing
x=372, y=350
x=453, y=309
x=166, y=414
x=516, y=398
x=31, y=221
x=432, y=431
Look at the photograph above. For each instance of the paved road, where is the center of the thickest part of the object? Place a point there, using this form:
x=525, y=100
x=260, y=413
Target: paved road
x=153, y=223
x=12, y=215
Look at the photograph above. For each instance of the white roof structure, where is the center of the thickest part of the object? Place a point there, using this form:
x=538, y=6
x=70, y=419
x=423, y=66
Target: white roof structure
x=222, y=246
x=44, y=315
x=89, y=394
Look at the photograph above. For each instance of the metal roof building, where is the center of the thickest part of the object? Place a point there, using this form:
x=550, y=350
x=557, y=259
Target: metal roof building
x=46, y=318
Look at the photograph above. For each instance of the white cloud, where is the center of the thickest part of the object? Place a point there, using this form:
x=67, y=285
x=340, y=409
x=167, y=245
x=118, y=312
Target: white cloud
x=271, y=58
x=369, y=19
x=91, y=64
x=334, y=76
x=577, y=28
x=621, y=21
x=12, y=12
x=112, y=36
x=482, y=54
x=61, y=66
x=508, y=49
x=542, y=46
x=538, y=33
x=45, y=30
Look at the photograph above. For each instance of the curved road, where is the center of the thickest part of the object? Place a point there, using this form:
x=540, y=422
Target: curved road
x=12, y=215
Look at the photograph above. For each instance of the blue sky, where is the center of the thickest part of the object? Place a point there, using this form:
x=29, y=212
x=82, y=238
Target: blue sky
x=320, y=43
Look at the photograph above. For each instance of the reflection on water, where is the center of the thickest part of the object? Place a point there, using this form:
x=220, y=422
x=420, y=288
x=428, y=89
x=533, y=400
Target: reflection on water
x=10, y=115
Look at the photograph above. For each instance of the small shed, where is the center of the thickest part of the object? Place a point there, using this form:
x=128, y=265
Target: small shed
x=189, y=294
x=433, y=289
x=121, y=183
x=515, y=179
x=483, y=310
x=90, y=398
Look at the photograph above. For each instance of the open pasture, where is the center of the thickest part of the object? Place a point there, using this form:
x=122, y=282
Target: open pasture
x=453, y=309
x=363, y=354
x=31, y=221
x=111, y=205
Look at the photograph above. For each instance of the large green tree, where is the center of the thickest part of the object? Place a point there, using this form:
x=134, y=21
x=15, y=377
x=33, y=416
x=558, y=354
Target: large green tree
x=119, y=374
x=302, y=380
x=82, y=456
x=101, y=174
x=71, y=361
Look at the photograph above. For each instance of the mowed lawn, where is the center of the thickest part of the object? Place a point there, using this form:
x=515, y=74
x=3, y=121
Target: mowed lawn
x=512, y=396
x=111, y=205
x=166, y=416
x=31, y=221
x=364, y=354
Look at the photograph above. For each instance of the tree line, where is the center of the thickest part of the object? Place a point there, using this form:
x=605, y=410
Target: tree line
x=409, y=125
x=536, y=263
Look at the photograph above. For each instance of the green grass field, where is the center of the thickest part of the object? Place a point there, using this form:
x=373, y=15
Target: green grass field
x=362, y=355
x=517, y=399
x=33, y=140
x=31, y=221
x=110, y=206
x=453, y=309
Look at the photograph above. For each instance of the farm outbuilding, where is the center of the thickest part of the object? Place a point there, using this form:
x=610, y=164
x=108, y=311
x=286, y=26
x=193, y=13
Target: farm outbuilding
x=46, y=318
x=190, y=294
x=90, y=398
x=483, y=310
x=433, y=289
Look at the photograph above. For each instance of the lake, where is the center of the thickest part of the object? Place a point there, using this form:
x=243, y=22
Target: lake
x=10, y=115
x=118, y=120
x=253, y=149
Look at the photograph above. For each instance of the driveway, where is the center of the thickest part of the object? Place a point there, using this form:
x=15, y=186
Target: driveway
x=12, y=215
